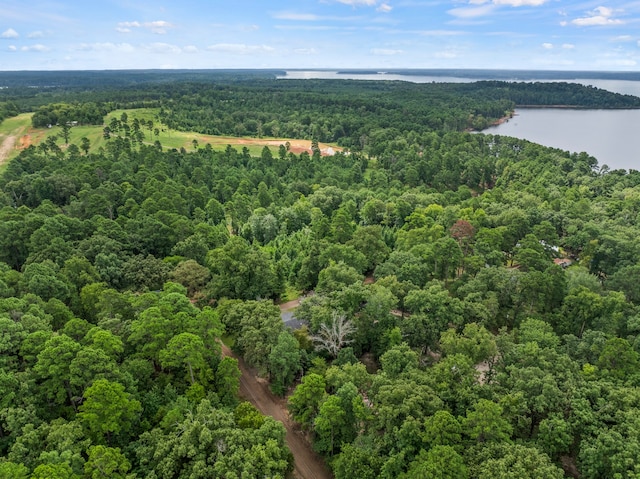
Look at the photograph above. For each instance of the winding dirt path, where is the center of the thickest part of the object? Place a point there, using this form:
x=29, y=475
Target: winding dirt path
x=307, y=464
x=6, y=147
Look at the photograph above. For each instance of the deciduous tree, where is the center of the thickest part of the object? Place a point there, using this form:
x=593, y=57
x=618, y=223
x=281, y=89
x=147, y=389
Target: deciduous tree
x=108, y=410
x=333, y=337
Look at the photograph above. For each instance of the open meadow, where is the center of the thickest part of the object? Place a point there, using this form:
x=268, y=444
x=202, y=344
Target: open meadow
x=17, y=133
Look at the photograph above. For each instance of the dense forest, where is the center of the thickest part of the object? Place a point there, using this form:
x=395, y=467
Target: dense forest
x=472, y=301
x=254, y=103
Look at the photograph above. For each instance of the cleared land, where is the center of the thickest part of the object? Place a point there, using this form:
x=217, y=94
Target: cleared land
x=17, y=134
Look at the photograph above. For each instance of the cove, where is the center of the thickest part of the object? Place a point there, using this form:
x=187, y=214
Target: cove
x=611, y=136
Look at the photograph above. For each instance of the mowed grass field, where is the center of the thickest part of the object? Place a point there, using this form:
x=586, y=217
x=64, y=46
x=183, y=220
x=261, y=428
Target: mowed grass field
x=17, y=134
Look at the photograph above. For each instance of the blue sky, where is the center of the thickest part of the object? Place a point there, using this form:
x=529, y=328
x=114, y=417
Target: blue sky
x=380, y=34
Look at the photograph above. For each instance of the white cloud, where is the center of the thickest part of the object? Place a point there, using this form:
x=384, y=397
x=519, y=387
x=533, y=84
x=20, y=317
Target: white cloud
x=385, y=8
x=35, y=48
x=129, y=24
x=385, y=51
x=568, y=46
x=190, y=49
x=9, y=33
x=106, y=47
x=598, y=16
x=310, y=17
x=471, y=12
x=520, y=3
x=623, y=38
x=479, y=8
x=441, y=33
x=312, y=28
x=547, y=46
x=240, y=48
x=296, y=17
x=159, y=26
x=36, y=34
x=125, y=27
x=368, y=3
x=13, y=48
x=158, y=47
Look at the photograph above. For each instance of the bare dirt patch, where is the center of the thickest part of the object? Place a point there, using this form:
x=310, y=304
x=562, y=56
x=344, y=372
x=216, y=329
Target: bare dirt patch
x=289, y=305
x=25, y=142
x=307, y=464
x=295, y=146
x=483, y=369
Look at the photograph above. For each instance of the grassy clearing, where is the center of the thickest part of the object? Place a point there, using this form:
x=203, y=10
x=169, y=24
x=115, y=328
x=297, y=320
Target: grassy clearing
x=20, y=128
x=180, y=139
x=17, y=123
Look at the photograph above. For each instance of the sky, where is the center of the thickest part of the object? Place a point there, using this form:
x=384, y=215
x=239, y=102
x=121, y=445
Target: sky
x=598, y=35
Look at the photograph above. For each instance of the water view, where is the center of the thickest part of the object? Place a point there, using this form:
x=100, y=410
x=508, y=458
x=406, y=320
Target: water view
x=608, y=135
x=618, y=83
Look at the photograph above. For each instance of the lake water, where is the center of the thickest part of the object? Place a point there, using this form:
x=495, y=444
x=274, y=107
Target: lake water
x=611, y=136
x=335, y=75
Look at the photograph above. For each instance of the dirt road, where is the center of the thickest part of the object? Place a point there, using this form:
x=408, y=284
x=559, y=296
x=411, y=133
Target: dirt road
x=307, y=464
x=5, y=148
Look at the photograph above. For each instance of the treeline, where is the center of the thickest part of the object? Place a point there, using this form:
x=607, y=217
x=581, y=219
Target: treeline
x=94, y=80
x=8, y=109
x=340, y=111
x=62, y=113
x=119, y=88
x=467, y=352
x=347, y=111
x=555, y=93
x=245, y=103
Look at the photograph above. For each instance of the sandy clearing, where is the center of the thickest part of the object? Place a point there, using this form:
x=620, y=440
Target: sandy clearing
x=295, y=146
x=25, y=142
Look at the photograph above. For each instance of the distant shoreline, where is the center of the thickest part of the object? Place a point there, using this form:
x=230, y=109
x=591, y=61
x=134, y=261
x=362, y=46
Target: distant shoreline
x=488, y=74
x=504, y=119
x=575, y=107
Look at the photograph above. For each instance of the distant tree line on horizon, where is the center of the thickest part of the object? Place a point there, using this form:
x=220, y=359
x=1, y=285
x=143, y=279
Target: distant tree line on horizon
x=252, y=103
